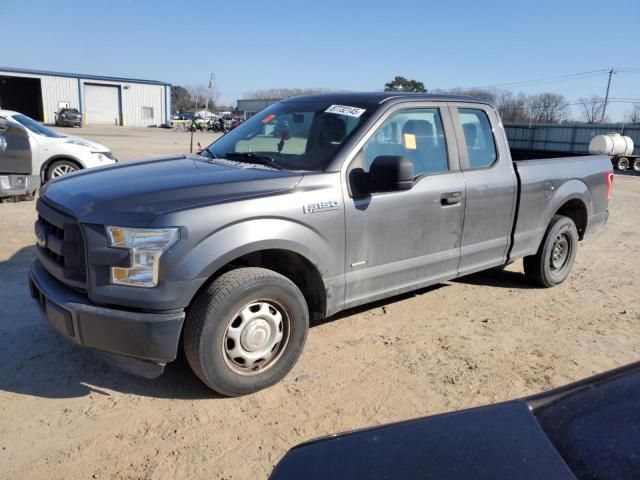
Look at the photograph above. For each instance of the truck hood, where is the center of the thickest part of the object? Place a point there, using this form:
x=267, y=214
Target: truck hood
x=134, y=193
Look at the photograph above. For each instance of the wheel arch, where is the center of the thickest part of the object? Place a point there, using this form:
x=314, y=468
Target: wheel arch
x=45, y=165
x=576, y=210
x=288, y=262
x=572, y=199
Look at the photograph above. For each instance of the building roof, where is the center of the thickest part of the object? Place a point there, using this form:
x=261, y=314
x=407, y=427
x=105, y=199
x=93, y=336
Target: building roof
x=80, y=75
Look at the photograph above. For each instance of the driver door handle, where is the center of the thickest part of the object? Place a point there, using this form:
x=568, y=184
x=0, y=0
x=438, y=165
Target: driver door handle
x=450, y=198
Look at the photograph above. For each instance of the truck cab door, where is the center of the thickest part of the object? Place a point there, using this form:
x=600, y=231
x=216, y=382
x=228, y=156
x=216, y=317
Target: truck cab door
x=402, y=240
x=15, y=148
x=490, y=187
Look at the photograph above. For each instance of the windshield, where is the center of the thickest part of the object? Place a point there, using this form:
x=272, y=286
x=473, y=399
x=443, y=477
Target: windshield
x=295, y=136
x=35, y=127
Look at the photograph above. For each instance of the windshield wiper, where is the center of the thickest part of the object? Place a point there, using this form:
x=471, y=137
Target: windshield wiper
x=250, y=157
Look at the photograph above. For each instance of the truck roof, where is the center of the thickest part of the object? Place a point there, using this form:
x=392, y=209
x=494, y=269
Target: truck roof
x=382, y=97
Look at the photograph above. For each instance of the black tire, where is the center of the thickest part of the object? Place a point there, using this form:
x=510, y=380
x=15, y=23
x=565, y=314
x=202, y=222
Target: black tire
x=552, y=263
x=636, y=164
x=218, y=310
x=622, y=164
x=55, y=167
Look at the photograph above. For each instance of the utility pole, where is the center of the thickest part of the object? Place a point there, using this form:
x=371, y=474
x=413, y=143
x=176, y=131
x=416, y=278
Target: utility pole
x=606, y=96
x=206, y=105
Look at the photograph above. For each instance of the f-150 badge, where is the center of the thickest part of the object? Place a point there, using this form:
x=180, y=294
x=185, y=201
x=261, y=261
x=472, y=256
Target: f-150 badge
x=318, y=207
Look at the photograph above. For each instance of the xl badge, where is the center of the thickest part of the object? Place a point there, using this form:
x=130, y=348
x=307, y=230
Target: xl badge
x=41, y=236
x=321, y=206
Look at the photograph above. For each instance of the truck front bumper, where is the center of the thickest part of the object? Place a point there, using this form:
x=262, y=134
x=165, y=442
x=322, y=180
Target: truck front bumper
x=140, y=343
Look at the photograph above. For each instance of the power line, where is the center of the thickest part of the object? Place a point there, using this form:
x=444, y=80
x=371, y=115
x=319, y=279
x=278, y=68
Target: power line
x=569, y=76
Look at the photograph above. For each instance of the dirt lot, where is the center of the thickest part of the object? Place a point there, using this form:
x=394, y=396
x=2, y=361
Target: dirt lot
x=481, y=339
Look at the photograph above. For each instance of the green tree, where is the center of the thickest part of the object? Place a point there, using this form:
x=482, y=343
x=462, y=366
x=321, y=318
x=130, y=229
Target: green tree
x=180, y=99
x=401, y=84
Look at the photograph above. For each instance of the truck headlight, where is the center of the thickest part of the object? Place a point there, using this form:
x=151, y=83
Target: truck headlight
x=146, y=246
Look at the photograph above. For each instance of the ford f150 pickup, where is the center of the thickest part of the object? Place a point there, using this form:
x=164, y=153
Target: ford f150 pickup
x=359, y=197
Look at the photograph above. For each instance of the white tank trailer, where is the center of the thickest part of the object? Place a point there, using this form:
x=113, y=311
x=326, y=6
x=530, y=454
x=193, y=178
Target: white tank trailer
x=619, y=148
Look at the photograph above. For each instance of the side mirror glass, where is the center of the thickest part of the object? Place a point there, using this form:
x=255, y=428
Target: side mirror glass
x=390, y=173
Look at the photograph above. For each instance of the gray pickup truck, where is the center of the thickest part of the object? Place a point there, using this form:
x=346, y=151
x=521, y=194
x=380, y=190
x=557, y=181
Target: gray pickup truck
x=312, y=206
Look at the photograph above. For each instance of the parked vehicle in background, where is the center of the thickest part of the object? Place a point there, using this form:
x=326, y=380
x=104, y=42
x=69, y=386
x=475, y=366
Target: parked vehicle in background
x=54, y=154
x=16, y=178
x=586, y=430
x=363, y=197
x=619, y=147
x=69, y=117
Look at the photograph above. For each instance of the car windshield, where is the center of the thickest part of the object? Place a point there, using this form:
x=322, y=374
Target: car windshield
x=291, y=135
x=35, y=127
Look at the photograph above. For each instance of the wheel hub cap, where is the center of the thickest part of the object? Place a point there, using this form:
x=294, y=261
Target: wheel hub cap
x=256, y=336
x=560, y=252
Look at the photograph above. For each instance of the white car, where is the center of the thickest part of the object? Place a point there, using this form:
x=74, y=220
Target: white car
x=54, y=154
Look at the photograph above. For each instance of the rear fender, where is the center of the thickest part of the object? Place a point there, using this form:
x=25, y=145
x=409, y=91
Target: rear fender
x=570, y=190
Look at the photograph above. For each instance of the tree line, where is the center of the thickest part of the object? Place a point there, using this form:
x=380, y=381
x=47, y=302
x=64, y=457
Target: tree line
x=547, y=107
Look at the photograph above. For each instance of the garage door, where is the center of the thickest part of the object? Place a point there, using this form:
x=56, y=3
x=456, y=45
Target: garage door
x=102, y=105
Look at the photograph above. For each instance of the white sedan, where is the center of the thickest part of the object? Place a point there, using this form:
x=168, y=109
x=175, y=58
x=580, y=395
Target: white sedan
x=54, y=154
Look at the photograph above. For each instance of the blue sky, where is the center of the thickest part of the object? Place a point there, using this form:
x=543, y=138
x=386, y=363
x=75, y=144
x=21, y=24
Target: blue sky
x=352, y=45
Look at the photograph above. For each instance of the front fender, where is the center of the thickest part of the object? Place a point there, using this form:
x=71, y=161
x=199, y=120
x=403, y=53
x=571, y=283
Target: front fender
x=236, y=240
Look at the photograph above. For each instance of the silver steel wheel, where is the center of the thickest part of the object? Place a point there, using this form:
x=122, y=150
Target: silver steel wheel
x=256, y=337
x=62, y=169
x=560, y=252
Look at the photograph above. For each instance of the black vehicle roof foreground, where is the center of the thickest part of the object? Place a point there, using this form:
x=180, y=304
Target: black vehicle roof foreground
x=382, y=97
x=589, y=429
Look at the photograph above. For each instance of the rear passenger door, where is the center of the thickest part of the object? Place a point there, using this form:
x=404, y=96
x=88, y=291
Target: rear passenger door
x=490, y=187
x=399, y=241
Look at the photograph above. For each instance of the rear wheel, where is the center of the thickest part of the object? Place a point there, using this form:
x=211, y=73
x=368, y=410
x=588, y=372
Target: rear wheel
x=622, y=163
x=636, y=164
x=552, y=263
x=246, y=331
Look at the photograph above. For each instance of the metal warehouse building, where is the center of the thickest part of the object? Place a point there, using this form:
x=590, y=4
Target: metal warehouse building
x=101, y=100
x=250, y=106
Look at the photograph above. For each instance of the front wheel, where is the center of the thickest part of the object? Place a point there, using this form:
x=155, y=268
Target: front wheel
x=60, y=168
x=245, y=331
x=552, y=263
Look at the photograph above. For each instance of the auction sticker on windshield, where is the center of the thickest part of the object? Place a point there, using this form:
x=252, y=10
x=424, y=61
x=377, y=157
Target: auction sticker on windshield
x=345, y=110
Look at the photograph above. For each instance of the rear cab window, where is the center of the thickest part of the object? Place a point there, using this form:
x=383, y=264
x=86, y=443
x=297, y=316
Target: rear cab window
x=478, y=137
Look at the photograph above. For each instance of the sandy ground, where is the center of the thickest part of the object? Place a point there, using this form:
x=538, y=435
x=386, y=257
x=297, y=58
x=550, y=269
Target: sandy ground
x=481, y=339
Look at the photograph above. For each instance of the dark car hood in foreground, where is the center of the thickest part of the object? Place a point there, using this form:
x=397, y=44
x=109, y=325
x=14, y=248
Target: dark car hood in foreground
x=134, y=193
x=587, y=429
x=498, y=442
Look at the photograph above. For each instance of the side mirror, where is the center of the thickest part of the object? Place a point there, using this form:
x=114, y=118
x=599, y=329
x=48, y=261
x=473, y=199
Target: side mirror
x=390, y=173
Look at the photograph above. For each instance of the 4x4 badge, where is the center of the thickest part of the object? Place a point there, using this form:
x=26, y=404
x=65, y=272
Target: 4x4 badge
x=321, y=206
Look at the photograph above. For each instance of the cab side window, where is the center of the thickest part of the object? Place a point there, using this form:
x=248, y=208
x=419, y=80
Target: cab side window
x=478, y=137
x=416, y=134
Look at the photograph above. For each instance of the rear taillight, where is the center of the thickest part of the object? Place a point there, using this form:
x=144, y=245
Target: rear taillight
x=609, y=184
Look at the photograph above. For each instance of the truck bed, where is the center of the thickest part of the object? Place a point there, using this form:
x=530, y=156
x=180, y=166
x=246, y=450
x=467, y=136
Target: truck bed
x=548, y=183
